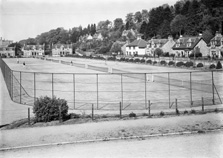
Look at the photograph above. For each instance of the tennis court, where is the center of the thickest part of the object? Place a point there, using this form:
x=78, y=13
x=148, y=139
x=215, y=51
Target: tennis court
x=83, y=82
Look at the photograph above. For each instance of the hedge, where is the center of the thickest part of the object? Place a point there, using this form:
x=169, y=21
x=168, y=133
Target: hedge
x=171, y=63
x=179, y=64
x=200, y=65
x=154, y=62
x=163, y=62
x=212, y=66
x=149, y=61
x=189, y=64
x=219, y=65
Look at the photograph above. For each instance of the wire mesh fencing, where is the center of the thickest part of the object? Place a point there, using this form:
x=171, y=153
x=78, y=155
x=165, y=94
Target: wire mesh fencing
x=136, y=91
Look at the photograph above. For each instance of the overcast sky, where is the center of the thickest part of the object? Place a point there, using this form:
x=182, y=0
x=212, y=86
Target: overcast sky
x=21, y=19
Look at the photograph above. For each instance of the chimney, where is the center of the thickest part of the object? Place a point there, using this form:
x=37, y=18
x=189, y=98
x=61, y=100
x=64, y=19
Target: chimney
x=139, y=36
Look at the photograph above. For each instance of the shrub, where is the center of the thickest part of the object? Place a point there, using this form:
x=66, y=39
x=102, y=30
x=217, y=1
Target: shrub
x=200, y=65
x=177, y=112
x=171, y=63
x=47, y=109
x=142, y=60
x=197, y=55
x=136, y=60
x=74, y=116
x=111, y=58
x=154, y=62
x=216, y=110
x=163, y=62
x=131, y=60
x=193, y=111
x=179, y=64
x=189, y=64
x=219, y=66
x=185, y=112
x=132, y=114
x=162, y=113
x=212, y=66
x=149, y=61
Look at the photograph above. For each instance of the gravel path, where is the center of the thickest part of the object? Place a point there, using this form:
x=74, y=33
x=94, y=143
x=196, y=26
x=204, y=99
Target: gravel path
x=111, y=129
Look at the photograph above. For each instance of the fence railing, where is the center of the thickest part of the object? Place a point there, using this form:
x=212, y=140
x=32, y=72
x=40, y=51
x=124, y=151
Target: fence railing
x=135, y=91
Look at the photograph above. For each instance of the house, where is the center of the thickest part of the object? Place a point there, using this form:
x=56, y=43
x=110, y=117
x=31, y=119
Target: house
x=184, y=46
x=61, y=49
x=153, y=44
x=98, y=36
x=4, y=49
x=168, y=46
x=216, y=46
x=33, y=50
x=137, y=47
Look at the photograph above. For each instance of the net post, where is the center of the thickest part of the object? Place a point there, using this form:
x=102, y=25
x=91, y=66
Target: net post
x=29, y=116
x=12, y=85
x=177, y=112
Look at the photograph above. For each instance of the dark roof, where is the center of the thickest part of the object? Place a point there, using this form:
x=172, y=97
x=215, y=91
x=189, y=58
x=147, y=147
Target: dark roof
x=217, y=39
x=138, y=43
x=183, y=41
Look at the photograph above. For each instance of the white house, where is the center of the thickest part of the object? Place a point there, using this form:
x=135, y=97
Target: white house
x=61, y=49
x=33, y=50
x=137, y=47
x=185, y=45
x=153, y=44
x=216, y=46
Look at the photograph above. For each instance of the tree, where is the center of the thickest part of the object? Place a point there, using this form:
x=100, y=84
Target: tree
x=138, y=17
x=118, y=23
x=145, y=15
x=116, y=47
x=178, y=24
x=129, y=21
x=18, y=48
x=158, y=52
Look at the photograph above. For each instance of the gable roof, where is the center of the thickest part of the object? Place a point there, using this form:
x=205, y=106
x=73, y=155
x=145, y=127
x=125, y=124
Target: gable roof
x=183, y=43
x=217, y=39
x=138, y=43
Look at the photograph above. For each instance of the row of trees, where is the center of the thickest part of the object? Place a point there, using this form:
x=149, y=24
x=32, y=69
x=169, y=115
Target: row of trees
x=185, y=17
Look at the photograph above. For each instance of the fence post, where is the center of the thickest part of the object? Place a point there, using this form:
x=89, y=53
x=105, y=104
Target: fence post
x=60, y=113
x=149, y=108
x=177, y=112
x=34, y=86
x=28, y=116
x=20, y=89
x=52, y=86
x=97, y=92
x=145, y=93
x=92, y=112
x=169, y=86
x=120, y=108
x=12, y=84
x=202, y=99
x=74, y=88
x=212, y=87
x=121, y=89
x=191, y=99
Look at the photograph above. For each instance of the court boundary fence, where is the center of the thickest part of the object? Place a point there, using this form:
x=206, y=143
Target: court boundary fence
x=20, y=95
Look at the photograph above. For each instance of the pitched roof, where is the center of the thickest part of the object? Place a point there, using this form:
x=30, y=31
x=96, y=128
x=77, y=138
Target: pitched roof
x=183, y=42
x=138, y=43
x=217, y=39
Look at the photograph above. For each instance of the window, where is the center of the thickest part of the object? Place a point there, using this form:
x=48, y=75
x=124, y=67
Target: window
x=133, y=48
x=188, y=44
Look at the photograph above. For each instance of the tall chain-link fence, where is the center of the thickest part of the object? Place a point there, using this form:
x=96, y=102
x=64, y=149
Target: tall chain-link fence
x=136, y=91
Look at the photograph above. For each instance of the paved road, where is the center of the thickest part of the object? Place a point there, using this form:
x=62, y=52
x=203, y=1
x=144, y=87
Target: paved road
x=200, y=145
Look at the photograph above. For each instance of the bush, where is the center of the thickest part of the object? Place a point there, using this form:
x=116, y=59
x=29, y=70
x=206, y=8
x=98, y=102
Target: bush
x=149, y=61
x=189, y=64
x=200, y=65
x=185, y=112
x=154, y=62
x=193, y=111
x=47, y=109
x=163, y=62
x=212, y=66
x=136, y=60
x=197, y=55
x=74, y=116
x=179, y=64
x=216, y=110
x=131, y=60
x=111, y=58
x=162, y=113
x=219, y=66
x=132, y=114
x=171, y=63
x=142, y=60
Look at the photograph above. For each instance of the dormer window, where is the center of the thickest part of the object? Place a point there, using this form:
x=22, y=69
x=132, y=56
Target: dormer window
x=188, y=44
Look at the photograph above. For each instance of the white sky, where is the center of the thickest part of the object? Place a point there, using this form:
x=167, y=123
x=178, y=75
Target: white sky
x=21, y=19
